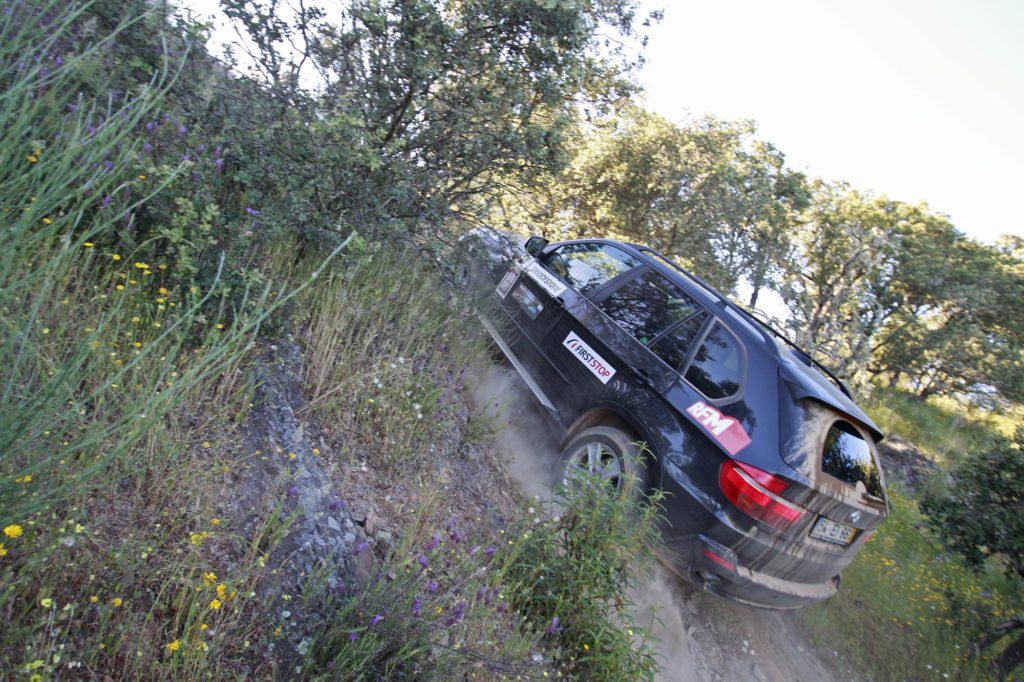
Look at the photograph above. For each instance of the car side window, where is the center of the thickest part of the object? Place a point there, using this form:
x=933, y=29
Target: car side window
x=674, y=345
x=587, y=265
x=648, y=305
x=717, y=367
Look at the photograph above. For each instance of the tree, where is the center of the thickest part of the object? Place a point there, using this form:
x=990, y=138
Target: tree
x=982, y=518
x=406, y=107
x=707, y=194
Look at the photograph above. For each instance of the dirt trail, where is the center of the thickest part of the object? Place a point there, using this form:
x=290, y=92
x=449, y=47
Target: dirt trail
x=702, y=638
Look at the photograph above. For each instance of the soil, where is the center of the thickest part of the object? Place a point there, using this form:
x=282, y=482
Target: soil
x=702, y=637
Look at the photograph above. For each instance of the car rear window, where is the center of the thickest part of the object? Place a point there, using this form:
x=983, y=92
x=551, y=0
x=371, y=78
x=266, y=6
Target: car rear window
x=717, y=368
x=648, y=305
x=586, y=266
x=848, y=457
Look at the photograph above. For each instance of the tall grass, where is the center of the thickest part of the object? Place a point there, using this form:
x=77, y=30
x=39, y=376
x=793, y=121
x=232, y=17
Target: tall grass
x=387, y=348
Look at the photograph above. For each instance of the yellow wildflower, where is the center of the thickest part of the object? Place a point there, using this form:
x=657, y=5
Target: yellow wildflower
x=116, y=601
x=31, y=158
x=215, y=604
x=13, y=531
x=173, y=646
x=46, y=603
x=209, y=578
x=89, y=244
x=3, y=552
x=221, y=591
x=141, y=266
x=93, y=599
x=116, y=257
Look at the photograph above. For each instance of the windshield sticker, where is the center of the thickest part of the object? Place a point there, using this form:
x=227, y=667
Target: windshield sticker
x=527, y=301
x=585, y=354
x=507, y=281
x=727, y=431
x=551, y=284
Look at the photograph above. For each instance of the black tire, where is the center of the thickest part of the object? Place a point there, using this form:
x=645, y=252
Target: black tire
x=607, y=452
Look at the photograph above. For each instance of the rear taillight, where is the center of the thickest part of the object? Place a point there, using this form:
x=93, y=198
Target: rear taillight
x=755, y=492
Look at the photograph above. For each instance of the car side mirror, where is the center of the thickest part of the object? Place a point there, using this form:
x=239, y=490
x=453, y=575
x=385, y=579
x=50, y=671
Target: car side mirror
x=535, y=244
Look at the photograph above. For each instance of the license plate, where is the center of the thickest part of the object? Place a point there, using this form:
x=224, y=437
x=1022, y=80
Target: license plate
x=830, y=531
x=506, y=283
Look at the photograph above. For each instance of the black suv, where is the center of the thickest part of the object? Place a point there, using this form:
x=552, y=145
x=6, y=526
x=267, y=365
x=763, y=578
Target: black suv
x=770, y=468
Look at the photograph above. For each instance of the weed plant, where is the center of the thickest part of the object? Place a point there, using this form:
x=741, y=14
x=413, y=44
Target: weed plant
x=114, y=560
x=943, y=428
x=569, y=570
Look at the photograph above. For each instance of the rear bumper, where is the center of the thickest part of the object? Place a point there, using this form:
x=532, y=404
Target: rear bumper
x=713, y=568
x=703, y=546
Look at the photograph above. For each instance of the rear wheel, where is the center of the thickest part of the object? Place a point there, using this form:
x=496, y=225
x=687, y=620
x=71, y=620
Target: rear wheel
x=604, y=453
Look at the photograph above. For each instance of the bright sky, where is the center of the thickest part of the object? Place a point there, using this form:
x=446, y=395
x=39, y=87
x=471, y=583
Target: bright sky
x=921, y=100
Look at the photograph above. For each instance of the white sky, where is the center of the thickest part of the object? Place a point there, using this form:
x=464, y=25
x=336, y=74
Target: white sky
x=921, y=100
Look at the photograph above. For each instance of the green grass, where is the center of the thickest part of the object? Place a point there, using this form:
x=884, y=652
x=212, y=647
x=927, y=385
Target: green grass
x=908, y=609
x=941, y=427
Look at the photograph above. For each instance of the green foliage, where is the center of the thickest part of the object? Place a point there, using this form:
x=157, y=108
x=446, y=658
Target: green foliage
x=982, y=514
x=707, y=194
x=381, y=355
x=908, y=608
x=573, y=565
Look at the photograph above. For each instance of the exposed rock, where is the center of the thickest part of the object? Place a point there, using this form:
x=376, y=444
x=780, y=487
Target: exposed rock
x=901, y=460
x=284, y=478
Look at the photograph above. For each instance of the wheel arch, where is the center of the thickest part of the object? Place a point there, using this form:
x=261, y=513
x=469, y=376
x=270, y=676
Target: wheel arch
x=604, y=416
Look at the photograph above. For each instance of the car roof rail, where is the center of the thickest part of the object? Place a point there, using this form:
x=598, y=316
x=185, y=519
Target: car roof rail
x=799, y=352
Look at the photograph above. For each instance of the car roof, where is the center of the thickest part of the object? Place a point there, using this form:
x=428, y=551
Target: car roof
x=807, y=377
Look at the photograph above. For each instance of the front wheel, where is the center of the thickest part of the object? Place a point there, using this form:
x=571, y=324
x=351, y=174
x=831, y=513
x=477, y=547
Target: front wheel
x=604, y=453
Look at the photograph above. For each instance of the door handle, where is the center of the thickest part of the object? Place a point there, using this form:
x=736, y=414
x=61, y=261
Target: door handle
x=559, y=302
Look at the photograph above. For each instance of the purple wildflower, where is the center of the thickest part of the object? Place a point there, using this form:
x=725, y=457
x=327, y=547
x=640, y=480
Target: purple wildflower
x=379, y=617
x=359, y=548
x=416, y=604
x=109, y=165
x=433, y=587
x=105, y=202
x=251, y=211
x=433, y=544
x=293, y=491
x=501, y=606
x=490, y=550
x=352, y=636
x=182, y=130
x=459, y=613
x=337, y=504
x=553, y=628
x=423, y=562
x=480, y=593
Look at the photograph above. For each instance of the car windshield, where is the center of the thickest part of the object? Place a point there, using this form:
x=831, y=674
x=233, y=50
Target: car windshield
x=587, y=265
